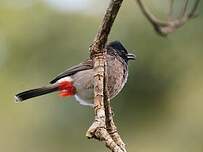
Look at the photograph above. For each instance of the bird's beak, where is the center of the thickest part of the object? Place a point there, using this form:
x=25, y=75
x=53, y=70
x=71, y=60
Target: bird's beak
x=131, y=56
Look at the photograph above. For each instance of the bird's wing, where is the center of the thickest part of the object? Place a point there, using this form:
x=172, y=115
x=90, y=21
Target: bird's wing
x=80, y=67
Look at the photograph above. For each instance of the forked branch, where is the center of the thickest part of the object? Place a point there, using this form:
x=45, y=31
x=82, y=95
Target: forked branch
x=103, y=127
x=171, y=24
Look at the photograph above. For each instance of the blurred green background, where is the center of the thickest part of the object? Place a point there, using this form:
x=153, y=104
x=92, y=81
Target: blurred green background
x=160, y=109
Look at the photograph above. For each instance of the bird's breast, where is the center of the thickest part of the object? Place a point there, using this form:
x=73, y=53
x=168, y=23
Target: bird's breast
x=116, y=78
x=117, y=74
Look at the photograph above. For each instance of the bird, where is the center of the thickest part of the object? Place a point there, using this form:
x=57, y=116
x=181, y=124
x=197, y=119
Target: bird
x=78, y=80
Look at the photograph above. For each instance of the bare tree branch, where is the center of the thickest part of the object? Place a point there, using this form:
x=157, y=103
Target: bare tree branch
x=104, y=30
x=184, y=10
x=110, y=125
x=103, y=128
x=170, y=12
x=193, y=12
x=170, y=25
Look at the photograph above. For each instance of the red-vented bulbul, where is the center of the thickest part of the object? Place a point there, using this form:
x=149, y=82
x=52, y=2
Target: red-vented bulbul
x=78, y=80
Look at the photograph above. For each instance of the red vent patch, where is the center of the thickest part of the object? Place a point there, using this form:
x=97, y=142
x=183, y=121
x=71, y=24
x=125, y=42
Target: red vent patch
x=66, y=89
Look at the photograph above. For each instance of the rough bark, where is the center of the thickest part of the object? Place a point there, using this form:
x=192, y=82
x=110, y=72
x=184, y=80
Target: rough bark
x=103, y=127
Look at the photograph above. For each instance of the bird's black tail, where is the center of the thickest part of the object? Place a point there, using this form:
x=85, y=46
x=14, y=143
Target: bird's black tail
x=35, y=92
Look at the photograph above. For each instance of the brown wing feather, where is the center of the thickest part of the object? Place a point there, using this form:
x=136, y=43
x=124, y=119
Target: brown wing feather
x=74, y=69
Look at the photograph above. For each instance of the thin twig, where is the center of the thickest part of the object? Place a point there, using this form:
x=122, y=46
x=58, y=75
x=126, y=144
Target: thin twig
x=110, y=125
x=163, y=28
x=183, y=13
x=193, y=12
x=112, y=129
x=105, y=28
x=170, y=12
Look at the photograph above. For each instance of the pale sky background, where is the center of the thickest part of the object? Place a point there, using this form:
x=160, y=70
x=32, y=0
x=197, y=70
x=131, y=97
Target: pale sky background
x=88, y=6
x=72, y=5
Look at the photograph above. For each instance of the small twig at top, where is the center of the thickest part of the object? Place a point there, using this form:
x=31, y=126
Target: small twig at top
x=163, y=28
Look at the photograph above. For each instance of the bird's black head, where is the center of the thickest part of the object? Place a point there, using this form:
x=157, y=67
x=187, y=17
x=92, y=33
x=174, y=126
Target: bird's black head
x=121, y=50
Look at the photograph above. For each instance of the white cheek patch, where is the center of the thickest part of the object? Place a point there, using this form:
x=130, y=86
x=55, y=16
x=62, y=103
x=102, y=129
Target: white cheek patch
x=69, y=79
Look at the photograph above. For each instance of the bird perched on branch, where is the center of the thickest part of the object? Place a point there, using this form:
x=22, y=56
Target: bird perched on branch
x=78, y=80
